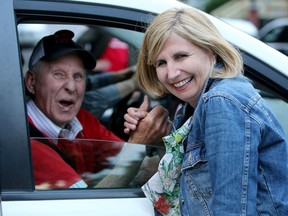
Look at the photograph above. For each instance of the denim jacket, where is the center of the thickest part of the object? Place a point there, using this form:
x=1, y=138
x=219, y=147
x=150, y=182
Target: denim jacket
x=235, y=160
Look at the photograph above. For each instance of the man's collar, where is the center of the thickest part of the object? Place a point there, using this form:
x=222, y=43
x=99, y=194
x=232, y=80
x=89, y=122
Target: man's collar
x=47, y=127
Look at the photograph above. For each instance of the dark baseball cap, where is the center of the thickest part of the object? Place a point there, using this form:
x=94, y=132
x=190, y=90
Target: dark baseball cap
x=60, y=43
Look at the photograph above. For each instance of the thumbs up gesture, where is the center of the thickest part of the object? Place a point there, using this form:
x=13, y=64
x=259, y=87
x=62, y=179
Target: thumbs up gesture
x=147, y=127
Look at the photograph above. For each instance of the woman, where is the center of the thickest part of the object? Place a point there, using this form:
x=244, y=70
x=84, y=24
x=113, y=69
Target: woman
x=234, y=157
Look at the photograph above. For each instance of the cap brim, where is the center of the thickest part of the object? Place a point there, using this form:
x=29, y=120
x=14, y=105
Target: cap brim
x=87, y=58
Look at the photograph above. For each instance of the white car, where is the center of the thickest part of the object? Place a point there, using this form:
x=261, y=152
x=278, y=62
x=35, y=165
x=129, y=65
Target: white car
x=125, y=19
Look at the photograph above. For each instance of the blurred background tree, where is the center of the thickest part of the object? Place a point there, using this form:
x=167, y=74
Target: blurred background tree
x=213, y=4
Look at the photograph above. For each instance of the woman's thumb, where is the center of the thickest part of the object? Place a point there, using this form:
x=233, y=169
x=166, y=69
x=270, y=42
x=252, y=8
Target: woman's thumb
x=145, y=104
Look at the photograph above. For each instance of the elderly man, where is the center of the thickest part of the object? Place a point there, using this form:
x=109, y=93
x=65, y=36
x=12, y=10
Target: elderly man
x=55, y=83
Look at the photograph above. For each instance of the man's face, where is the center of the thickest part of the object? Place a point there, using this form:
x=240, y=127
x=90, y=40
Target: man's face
x=59, y=88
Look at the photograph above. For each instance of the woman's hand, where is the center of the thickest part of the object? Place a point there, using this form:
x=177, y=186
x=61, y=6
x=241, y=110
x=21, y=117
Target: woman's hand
x=134, y=115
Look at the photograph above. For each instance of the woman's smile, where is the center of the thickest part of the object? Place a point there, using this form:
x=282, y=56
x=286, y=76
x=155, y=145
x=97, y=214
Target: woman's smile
x=179, y=85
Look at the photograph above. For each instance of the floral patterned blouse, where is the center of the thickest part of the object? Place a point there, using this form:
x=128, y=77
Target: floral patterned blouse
x=163, y=187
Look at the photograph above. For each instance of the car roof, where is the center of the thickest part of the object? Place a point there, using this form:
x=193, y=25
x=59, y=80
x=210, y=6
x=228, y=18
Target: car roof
x=243, y=25
x=155, y=6
x=247, y=44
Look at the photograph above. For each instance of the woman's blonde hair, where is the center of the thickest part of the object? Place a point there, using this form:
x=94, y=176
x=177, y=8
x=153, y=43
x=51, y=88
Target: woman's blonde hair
x=193, y=26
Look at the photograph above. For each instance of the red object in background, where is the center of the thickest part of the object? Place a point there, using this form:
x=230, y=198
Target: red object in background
x=117, y=53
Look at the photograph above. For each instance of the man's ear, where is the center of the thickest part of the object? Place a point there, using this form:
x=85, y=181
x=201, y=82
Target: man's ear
x=30, y=82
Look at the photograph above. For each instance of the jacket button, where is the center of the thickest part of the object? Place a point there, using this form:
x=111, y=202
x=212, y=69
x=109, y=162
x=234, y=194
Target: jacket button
x=182, y=202
x=190, y=157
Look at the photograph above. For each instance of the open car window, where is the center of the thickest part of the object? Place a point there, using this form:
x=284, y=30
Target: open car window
x=89, y=37
x=134, y=164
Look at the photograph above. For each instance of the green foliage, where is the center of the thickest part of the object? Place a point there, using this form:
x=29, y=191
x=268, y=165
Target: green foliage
x=213, y=4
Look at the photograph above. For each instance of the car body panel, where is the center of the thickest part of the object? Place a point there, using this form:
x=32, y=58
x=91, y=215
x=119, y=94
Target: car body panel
x=83, y=207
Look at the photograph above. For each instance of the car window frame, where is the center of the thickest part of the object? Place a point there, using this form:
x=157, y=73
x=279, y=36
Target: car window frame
x=25, y=11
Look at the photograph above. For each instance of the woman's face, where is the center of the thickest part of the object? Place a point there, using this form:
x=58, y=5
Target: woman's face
x=183, y=68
